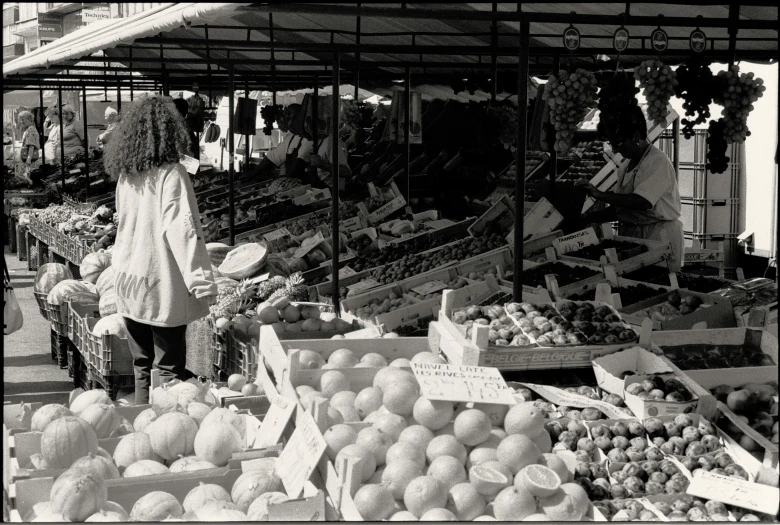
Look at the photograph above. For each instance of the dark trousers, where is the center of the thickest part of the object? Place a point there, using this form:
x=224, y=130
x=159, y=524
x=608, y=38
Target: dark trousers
x=164, y=348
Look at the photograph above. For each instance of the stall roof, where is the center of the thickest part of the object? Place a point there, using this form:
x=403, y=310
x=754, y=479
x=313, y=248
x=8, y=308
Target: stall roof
x=435, y=40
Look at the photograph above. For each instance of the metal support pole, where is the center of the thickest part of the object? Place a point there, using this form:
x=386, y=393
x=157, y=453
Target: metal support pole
x=407, y=130
x=62, y=142
x=130, y=56
x=245, y=171
x=777, y=207
x=553, y=154
x=494, y=56
x=315, y=125
x=273, y=56
x=676, y=146
x=733, y=29
x=334, y=145
x=118, y=97
x=43, y=121
x=231, y=153
x=522, y=117
x=357, y=55
x=86, y=137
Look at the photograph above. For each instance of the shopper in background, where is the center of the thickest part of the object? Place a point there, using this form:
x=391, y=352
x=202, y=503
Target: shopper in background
x=112, y=117
x=646, y=200
x=52, y=146
x=193, y=150
x=163, y=272
x=72, y=132
x=29, y=153
x=285, y=155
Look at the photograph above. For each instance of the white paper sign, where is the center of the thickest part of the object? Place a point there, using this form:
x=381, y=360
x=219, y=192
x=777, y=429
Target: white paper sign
x=352, y=224
x=466, y=384
x=557, y=396
x=735, y=491
x=429, y=288
x=75, y=172
x=360, y=286
x=274, y=422
x=301, y=455
x=575, y=241
x=309, y=244
x=190, y=164
x=277, y=234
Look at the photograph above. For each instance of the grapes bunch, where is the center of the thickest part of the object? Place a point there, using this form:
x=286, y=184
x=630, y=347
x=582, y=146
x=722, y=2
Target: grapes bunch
x=506, y=122
x=737, y=96
x=351, y=116
x=570, y=96
x=717, y=161
x=270, y=113
x=695, y=84
x=658, y=83
x=618, y=94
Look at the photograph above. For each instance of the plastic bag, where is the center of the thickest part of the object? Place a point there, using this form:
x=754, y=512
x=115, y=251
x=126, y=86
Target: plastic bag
x=12, y=314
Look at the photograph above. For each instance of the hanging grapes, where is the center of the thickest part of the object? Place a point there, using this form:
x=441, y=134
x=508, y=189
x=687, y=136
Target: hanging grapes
x=351, y=116
x=270, y=113
x=696, y=86
x=617, y=95
x=657, y=82
x=569, y=96
x=504, y=118
x=717, y=161
x=737, y=94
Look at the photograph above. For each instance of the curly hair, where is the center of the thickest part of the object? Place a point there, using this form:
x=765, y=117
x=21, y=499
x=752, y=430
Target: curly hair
x=150, y=134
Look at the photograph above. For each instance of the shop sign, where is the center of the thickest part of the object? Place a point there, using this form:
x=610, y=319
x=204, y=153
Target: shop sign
x=660, y=40
x=49, y=25
x=571, y=38
x=93, y=15
x=620, y=39
x=698, y=40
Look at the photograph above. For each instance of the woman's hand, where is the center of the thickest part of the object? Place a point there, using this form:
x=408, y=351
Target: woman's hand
x=589, y=188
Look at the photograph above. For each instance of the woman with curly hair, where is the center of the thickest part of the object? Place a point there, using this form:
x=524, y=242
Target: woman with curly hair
x=162, y=270
x=31, y=141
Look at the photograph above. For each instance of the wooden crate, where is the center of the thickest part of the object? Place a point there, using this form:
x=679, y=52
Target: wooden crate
x=530, y=357
x=551, y=283
x=717, y=313
x=769, y=450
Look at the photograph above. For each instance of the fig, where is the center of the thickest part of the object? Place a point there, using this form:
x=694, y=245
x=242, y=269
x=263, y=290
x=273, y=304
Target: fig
x=654, y=454
x=736, y=471
x=619, y=491
x=621, y=429
x=635, y=454
x=715, y=507
x=673, y=429
x=690, y=463
x=617, y=455
x=697, y=514
x=653, y=488
x=654, y=427
x=635, y=388
x=590, y=413
x=724, y=460
x=658, y=477
x=600, y=430
x=634, y=485
x=682, y=504
x=635, y=428
x=658, y=441
x=648, y=385
x=604, y=443
x=706, y=463
x=598, y=472
x=657, y=394
x=638, y=443
x=740, y=401
x=577, y=428
x=633, y=470
x=663, y=507
x=614, y=399
x=620, y=442
x=619, y=476
x=675, y=486
x=675, y=397
x=691, y=434
x=711, y=443
x=677, y=515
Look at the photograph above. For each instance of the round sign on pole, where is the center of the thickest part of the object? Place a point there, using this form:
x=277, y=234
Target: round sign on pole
x=571, y=38
x=620, y=39
x=659, y=40
x=698, y=40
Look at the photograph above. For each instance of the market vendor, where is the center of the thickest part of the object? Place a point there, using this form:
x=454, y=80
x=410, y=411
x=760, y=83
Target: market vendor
x=72, y=132
x=285, y=155
x=52, y=145
x=323, y=161
x=112, y=118
x=31, y=142
x=646, y=200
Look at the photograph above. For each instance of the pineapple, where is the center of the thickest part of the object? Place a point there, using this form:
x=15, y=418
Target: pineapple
x=231, y=300
x=294, y=291
x=266, y=288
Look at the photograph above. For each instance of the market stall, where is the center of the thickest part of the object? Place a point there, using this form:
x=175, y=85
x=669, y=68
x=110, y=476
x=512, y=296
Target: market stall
x=533, y=368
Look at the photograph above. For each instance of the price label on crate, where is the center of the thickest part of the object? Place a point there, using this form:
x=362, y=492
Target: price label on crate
x=274, y=422
x=429, y=288
x=346, y=271
x=309, y=244
x=386, y=210
x=575, y=241
x=277, y=234
x=190, y=164
x=75, y=172
x=735, y=491
x=557, y=396
x=301, y=455
x=363, y=285
x=465, y=384
x=350, y=225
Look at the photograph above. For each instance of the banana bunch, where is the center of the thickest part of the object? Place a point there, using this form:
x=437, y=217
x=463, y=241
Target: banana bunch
x=398, y=227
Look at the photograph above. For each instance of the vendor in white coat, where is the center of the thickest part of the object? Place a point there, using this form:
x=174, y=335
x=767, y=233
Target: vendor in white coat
x=323, y=161
x=646, y=200
x=285, y=155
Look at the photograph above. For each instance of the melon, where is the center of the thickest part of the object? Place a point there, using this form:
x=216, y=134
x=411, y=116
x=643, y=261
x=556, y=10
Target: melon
x=114, y=324
x=107, y=303
x=51, y=517
x=67, y=439
x=49, y=275
x=63, y=290
x=39, y=509
x=103, y=418
x=218, y=510
x=253, y=484
x=186, y=393
x=217, y=442
x=161, y=399
x=91, y=397
x=244, y=261
x=172, y=435
x=124, y=428
x=84, y=298
x=144, y=467
x=106, y=281
x=189, y=464
x=144, y=418
x=74, y=394
x=198, y=411
x=113, y=506
x=258, y=510
x=202, y=494
x=223, y=415
x=132, y=448
x=156, y=506
x=107, y=516
x=103, y=452
x=78, y=496
x=97, y=465
x=217, y=252
x=93, y=264
x=46, y=414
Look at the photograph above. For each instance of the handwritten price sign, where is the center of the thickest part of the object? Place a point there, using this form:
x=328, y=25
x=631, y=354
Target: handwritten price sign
x=575, y=241
x=466, y=384
x=301, y=455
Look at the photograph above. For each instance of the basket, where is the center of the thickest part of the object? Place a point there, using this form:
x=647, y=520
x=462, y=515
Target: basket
x=108, y=354
x=43, y=307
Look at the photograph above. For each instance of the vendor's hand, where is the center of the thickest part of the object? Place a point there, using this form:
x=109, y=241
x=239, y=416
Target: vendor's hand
x=589, y=188
x=211, y=300
x=316, y=161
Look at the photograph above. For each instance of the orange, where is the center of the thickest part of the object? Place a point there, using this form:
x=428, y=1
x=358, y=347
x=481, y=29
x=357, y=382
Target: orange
x=488, y=481
x=398, y=474
x=526, y=419
x=400, y=396
x=438, y=515
x=472, y=427
x=374, y=502
x=433, y=415
x=557, y=464
x=448, y=470
x=517, y=451
x=445, y=445
x=540, y=481
x=465, y=502
x=423, y=494
x=560, y=507
x=514, y=504
x=417, y=434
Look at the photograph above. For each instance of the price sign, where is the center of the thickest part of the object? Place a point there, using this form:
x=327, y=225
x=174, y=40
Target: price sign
x=386, y=209
x=301, y=455
x=309, y=244
x=350, y=225
x=363, y=285
x=75, y=172
x=190, y=164
x=466, y=384
x=344, y=272
x=575, y=241
x=557, y=396
x=429, y=288
x=274, y=422
x=277, y=234
x=735, y=491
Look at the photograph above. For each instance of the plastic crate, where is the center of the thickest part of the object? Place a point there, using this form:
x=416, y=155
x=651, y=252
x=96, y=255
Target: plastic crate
x=12, y=244
x=76, y=315
x=241, y=357
x=220, y=343
x=43, y=306
x=74, y=268
x=111, y=383
x=21, y=242
x=59, y=349
x=710, y=216
x=58, y=317
x=108, y=354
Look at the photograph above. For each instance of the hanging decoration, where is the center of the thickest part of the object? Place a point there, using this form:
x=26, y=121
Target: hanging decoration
x=659, y=40
x=569, y=96
x=736, y=94
x=697, y=41
x=658, y=82
x=695, y=85
x=620, y=39
x=571, y=38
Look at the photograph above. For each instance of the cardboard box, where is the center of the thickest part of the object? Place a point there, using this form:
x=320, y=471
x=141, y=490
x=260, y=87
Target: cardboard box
x=715, y=312
x=609, y=369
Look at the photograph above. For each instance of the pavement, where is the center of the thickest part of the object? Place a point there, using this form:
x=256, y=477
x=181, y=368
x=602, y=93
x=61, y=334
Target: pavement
x=29, y=373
